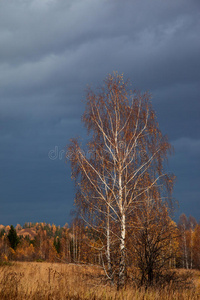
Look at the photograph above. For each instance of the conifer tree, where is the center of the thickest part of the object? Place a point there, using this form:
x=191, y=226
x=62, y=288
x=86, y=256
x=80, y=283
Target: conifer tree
x=13, y=238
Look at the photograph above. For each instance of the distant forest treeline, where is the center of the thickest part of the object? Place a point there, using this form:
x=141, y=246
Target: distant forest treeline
x=79, y=244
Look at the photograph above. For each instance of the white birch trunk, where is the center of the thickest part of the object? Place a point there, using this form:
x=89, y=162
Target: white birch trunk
x=122, y=266
x=110, y=272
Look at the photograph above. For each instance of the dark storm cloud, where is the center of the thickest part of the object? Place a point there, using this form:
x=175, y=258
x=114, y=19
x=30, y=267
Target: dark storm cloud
x=50, y=50
x=186, y=164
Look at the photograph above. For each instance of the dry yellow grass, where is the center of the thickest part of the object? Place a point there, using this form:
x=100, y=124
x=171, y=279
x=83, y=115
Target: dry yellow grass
x=36, y=281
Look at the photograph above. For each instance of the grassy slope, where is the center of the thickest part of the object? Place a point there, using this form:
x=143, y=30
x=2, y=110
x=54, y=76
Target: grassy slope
x=60, y=281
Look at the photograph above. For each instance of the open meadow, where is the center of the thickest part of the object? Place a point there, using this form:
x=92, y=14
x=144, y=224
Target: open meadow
x=34, y=280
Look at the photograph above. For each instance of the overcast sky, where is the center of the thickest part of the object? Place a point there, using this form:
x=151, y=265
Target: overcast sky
x=50, y=50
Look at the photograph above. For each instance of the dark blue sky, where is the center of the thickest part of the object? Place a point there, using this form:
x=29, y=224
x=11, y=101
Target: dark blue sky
x=49, y=51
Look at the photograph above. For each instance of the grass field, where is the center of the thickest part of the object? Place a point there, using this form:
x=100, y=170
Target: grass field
x=32, y=280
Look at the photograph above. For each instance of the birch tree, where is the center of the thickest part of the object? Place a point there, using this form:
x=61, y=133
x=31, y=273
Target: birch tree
x=122, y=161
